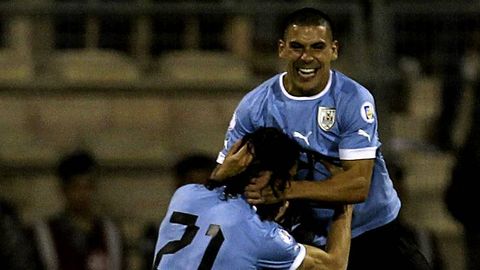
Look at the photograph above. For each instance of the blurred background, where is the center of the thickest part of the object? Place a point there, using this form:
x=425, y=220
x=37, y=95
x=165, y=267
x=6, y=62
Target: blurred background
x=142, y=83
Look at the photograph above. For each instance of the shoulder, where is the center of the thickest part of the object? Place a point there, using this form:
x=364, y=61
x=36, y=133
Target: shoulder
x=345, y=86
x=274, y=235
x=282, y=237
x=256, y=101
x=263, y=90
x=280, y=246
x=188, y=190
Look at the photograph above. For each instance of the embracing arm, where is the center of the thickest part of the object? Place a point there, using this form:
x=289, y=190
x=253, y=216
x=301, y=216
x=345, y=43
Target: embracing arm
x=236, y=160
x=335, y=255
x=351, y=185
x=348, y=184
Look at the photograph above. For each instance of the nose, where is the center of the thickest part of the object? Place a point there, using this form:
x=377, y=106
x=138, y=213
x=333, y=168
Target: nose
x=306, y=55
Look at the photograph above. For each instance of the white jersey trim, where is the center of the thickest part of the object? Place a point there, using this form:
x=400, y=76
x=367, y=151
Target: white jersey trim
x=300, y=257
x=362, y=153
x=323, y=92
x=220, y=158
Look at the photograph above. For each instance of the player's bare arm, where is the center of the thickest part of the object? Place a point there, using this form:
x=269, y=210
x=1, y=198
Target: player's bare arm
x=350, y=184
x=235, y=162
x=335, y=255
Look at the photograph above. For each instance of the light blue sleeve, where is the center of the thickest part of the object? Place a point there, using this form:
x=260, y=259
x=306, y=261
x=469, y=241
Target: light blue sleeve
x=359, y=139
x=240, y=124
x=281, y=251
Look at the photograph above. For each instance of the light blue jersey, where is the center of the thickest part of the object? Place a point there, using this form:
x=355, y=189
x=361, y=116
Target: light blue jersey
x=338, y=123
x=202, y=230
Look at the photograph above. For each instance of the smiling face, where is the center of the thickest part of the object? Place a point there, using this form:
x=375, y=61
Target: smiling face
x=309, y=50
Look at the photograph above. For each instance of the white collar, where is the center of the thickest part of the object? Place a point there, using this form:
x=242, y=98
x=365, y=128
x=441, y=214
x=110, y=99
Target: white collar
x=321, y=93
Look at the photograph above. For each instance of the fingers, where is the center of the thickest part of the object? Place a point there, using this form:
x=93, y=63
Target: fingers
x=262, y=196
x=236, y=161
x=235, y=147
x=260, y=181
x=240, y=154
x=253, y=191
x=243, y=155
x=254, y=197
x=258, y=191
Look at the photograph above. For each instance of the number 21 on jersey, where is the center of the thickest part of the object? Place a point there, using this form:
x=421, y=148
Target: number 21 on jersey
x=214, y=231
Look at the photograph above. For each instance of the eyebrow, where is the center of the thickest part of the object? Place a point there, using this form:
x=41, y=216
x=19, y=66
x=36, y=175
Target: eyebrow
x=313, y=44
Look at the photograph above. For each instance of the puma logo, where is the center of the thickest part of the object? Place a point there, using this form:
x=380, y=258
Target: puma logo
x=299, y=135
x=364, y=134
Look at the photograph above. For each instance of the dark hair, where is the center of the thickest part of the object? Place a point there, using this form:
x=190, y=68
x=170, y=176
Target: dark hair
x=272, y=151
x=76, y=163
x=193, y=162
x=307, y=16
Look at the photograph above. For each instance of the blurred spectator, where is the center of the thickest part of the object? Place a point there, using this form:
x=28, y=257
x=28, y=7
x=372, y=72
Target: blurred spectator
x=462, y=191
x=15, y=251
x=460, y=69
x=79, y=238
x=193, y=168
x=427, y=240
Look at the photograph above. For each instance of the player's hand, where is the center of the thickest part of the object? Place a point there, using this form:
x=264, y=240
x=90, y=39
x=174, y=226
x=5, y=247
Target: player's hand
x=259, y=192
x=236, y=161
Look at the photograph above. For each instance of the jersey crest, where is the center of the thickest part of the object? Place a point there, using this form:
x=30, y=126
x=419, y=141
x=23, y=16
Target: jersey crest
x=326, y=117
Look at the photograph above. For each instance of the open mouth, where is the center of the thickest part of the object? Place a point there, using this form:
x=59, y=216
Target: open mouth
x=306, y=73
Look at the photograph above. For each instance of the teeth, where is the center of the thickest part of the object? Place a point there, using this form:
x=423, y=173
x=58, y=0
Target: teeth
x=306, y=70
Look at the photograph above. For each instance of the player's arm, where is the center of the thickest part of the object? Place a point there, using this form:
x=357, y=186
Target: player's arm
x=236, y=160
x=351, y=185
x=335, y=255
x=357, y=152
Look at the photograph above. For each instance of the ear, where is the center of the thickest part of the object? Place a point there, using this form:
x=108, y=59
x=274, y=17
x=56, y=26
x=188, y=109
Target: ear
x=281, y=48
x=334, y=50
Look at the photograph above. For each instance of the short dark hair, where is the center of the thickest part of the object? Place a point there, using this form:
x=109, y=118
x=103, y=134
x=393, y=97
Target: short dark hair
x=192, y=162
x=307, y=16
x=273, y=151
x=78, y=162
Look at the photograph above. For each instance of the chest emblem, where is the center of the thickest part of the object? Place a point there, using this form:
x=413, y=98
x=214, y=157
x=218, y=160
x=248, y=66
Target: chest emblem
x=326, y=118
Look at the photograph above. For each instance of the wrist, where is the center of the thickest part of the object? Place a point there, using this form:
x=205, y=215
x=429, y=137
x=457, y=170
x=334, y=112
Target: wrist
x=218, y=174
x=290, y=190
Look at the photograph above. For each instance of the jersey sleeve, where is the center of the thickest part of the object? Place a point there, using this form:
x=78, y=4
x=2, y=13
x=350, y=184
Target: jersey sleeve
x=240, y=124
x=281, y=251
x=358, y=118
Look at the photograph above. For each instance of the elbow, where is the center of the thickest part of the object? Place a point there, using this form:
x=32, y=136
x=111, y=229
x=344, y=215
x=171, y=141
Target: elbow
x=336, y=263
x=362, y=188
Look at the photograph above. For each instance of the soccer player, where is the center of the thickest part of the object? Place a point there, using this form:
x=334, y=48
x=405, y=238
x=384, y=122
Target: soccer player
x=333, y=118
x=79, y=237
x=213, y=227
